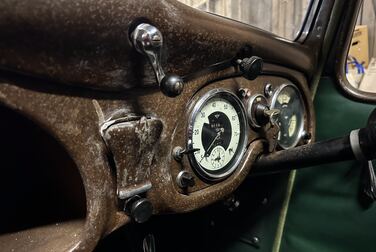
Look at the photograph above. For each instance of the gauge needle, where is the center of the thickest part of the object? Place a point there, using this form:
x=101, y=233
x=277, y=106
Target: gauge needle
x=218, y=158
x=211, y=144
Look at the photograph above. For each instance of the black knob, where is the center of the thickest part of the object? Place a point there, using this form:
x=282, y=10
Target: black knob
x=140, y=209
x=185, y=179
x=172, y=85
x=251, y=67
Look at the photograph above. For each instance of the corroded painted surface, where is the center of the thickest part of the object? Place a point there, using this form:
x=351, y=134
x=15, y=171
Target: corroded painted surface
x=64, y=236
x=86, y=43
x=76, y=118
x=133, y=147
x=75, y=123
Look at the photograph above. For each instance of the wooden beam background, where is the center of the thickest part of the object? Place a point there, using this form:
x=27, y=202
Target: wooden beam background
x=281, y=17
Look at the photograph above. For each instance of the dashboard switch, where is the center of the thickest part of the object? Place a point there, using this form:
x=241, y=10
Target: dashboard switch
x=250, y=67
x=259, y=113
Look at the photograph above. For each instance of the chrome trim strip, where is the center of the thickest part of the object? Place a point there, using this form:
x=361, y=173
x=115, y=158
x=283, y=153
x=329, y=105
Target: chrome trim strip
x=308, y=21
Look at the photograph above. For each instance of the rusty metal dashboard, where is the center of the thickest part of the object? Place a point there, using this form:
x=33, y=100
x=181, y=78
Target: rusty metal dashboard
x=129, y=131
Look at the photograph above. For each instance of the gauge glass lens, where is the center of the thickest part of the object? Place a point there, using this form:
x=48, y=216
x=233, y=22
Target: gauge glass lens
x=217, y=135
x=291, y=118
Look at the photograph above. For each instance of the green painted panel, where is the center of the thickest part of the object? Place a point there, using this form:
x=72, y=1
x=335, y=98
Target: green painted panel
x=324, y=212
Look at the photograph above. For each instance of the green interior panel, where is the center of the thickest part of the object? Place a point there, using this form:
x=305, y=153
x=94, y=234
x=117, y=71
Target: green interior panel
x=325, y=213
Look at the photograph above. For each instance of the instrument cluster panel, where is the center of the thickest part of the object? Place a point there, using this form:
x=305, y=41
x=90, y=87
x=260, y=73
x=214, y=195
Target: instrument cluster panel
x=225, y=117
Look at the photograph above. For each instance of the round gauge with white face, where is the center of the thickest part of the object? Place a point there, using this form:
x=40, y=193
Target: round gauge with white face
x=288, y=100
x=216, y=134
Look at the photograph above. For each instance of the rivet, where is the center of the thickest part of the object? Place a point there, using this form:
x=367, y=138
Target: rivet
x=268, y=90
x=255, y=240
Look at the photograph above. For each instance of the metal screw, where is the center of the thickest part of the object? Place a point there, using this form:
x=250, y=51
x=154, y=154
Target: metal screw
x=255, y=240
x=177, y=153
x=306, y=136
x=268, y=90
x=242, y=92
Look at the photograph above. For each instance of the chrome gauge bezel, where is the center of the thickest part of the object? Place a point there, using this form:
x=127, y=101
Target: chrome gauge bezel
x=231, y=167
x=276, y=94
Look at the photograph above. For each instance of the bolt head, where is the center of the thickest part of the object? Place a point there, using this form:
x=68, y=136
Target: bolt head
x=255, y=240
x=177, y=153
x=268, y=90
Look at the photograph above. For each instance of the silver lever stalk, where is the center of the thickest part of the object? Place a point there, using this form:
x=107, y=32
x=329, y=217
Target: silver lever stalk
x=148, y=40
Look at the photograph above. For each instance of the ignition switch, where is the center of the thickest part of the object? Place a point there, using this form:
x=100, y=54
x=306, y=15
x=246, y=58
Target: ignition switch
x=259, y=113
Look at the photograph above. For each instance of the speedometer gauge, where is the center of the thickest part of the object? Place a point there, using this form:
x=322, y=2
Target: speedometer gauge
x=216, y=134
x=288, y=100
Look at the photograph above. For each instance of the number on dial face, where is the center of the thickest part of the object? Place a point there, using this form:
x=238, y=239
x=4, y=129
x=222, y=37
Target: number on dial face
x=216, y=133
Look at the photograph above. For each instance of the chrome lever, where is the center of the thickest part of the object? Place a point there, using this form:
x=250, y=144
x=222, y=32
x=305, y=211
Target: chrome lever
x=148, y=40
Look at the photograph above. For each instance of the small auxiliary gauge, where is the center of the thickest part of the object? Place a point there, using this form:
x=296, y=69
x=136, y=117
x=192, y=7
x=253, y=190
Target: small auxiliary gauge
x=217, y=134
x=288, y=100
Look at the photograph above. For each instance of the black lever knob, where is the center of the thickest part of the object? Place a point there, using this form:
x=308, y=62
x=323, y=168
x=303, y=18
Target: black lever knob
x=172, y=85
x=250, y=67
